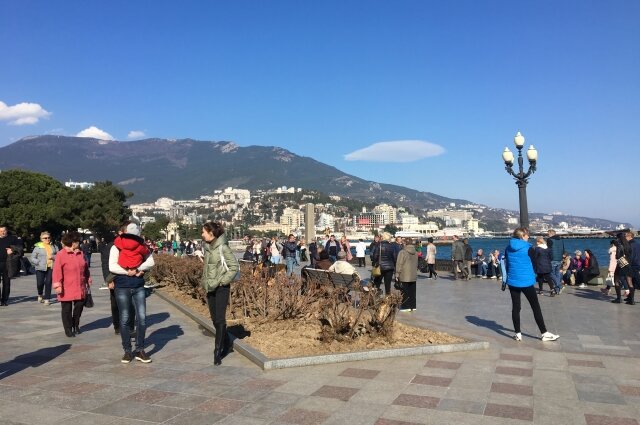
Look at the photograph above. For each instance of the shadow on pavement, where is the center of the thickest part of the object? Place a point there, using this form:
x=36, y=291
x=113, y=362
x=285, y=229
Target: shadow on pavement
x=33, y=359
x=155, y=318
x=22, y=299
x=160, y=337
x=105, y=322
x=494, y=326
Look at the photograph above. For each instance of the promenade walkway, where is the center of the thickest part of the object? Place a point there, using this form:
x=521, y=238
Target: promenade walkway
x=590, y=376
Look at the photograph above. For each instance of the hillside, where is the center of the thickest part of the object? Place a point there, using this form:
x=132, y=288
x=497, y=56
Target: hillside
x=188, y=168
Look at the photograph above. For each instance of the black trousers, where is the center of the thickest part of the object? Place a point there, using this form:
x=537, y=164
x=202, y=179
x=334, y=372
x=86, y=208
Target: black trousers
x=530, y=293
x=361, y=262
x=408, y=296
x=115, y=312
x=432, y=270
x=43, y=282
x=386, y=276
x=541, y=278
x=6, y=283
x=71, y=312
x=217, y=301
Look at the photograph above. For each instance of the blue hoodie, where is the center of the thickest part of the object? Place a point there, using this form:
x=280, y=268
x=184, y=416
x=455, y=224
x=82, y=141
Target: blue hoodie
x=519, y=267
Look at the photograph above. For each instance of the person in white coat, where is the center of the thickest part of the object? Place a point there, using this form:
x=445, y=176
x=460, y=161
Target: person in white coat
x=361, y=248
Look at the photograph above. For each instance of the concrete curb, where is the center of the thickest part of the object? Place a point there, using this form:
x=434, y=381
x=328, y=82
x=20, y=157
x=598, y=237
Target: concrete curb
x=266, y=363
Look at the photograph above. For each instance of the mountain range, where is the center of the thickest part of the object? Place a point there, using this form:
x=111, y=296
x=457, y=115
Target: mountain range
x=187, y=168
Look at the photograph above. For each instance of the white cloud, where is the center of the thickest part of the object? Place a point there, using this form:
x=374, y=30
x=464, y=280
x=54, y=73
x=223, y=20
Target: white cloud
x=136, y=134
x=95, y=133
x=396, y=151
x=22, y=113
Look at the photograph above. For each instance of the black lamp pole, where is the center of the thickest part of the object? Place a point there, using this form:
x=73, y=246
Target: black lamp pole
x=521, y=177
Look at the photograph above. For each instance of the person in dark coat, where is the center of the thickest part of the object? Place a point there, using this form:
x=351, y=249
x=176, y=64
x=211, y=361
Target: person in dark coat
x=385, y=255
x=541, y=259
x=333, y=247
x=590, y=269
x=8, y=247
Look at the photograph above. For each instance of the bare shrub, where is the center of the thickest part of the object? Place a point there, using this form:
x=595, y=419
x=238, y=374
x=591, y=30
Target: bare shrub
x=267, y=295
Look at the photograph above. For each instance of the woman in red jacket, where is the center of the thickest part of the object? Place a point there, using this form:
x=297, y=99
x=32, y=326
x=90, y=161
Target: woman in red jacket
x=70, y=281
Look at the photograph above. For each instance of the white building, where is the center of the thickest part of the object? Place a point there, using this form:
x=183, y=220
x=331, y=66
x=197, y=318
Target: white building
x=79, y=185
x=326, y=220
x=408, y=220
x=388, y=210
x=239, y=197
x=292, y=218
x=453, y=216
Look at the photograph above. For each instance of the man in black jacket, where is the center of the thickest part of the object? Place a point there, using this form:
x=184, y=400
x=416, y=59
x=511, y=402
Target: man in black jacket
x=556, y=246
x=105, y=249
x=8, y=247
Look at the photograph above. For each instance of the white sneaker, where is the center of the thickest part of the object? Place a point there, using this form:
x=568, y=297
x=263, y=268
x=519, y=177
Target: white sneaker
x=582, y=285
x=47, y=302
x=518, y=336
x=548, y=336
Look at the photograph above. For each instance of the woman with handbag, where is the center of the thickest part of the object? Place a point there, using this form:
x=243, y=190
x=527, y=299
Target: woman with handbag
x=611, y=269
x=71, y=280
x=406, y=275
x=385, y=256
x=623, y=270
x=220, y=268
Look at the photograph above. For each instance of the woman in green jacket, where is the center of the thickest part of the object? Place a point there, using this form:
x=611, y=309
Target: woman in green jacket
x=220, y=269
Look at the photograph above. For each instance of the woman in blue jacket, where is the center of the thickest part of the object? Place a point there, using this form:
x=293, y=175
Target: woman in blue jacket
x=521, y=279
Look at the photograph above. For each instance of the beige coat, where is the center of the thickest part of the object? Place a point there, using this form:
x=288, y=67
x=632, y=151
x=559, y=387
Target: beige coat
x=407, y=264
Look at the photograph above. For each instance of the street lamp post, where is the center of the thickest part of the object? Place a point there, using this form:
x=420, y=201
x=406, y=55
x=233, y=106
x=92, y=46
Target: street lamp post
x=521, y=177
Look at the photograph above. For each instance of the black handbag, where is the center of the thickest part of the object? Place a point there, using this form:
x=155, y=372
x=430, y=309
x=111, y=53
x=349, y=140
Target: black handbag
x=88, y=300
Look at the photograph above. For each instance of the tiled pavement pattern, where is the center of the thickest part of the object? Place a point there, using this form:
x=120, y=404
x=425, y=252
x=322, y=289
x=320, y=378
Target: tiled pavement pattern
x=590, y=376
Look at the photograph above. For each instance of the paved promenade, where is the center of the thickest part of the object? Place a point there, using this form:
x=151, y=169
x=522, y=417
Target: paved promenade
x=590, y=376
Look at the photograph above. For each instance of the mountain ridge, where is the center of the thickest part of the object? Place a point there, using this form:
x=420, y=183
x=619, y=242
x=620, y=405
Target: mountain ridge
x=152, y=168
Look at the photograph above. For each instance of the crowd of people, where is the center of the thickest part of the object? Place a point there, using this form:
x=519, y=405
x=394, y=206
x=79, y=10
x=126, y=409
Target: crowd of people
x=64, y=270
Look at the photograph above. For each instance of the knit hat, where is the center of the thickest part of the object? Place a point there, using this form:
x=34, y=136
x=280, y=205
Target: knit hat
x=133, y=229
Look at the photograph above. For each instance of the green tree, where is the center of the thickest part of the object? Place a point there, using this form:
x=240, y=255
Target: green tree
x=100, y=209
x=33, y=202
x=156, y=229
x=391, y=229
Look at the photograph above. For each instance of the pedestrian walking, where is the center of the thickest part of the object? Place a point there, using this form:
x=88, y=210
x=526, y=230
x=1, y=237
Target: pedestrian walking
x=42, y=257
x=220, y=268
x=71, y=280
x=406, y=274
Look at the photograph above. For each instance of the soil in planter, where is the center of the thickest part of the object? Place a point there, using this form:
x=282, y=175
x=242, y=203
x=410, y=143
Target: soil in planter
x=287, y=338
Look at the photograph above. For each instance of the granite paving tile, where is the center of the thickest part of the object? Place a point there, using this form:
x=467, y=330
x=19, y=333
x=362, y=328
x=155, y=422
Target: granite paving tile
x=262, y=384
x=425, y=402
x=360, y=373
x=517, y=357
x=183, y=401
x=223, y=406
x=463, y=406
x=340, y=393
x=303, y=417
x=498, y=387
x=585, y=363
x=193, y=417
x=507, y=411
x=149, y=396
x=608, y=420
x=629, y=390
x=441, y=364
x=243, y=420
x=517, y=371
x=431, y=380
x=383, y=421
x=264, y=410
x=600, y=397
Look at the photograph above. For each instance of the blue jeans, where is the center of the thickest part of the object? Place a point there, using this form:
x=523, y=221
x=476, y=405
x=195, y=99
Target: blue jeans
x=291, y=262
x=125, y=297
x=482, y=269
x=556, y=277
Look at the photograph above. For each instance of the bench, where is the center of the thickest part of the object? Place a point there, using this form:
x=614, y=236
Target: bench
x=345, y=282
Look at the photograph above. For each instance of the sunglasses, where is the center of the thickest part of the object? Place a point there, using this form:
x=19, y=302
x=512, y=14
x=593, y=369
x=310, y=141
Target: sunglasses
x=46, y=238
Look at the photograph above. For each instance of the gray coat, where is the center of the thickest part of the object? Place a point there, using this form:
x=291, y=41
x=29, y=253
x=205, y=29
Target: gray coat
x=407, y=264
x=457, y=250
x=39, y=256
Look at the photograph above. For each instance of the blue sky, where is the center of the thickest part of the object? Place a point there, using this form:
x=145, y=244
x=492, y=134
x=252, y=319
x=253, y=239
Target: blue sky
x=328, y=79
